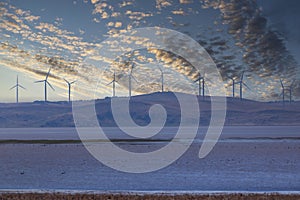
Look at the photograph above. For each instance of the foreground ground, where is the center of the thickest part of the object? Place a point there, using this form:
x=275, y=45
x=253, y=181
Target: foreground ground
x=235, y=164
x=58, y=196
x=258, y=160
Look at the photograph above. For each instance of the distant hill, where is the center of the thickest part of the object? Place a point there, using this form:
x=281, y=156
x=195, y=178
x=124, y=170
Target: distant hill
x=59, y=114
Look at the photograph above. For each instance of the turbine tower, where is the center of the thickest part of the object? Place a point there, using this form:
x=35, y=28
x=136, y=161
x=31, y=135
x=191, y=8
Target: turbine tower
x=162, y=79
x=291, y=87
x=283, y=91
x=241, y=83
x=233, y=85
x=17, y=89
x=201, y=83
x=113, y=82
x=130, y=76
x=45, y=81
x=69, y=85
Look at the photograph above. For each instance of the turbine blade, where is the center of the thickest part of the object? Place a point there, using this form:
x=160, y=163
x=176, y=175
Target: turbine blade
x=281, y=94
x=110, y=83
x=39, y=81
x=242, y=76
x=134, y=78
x=67, y=81
x=48, y=73
x=22, y=87
x=131, y=69
x=246, y=85
x=50, y=85
x=13, y=87
x=73, y=82
x=199, y=79
x=281, y=83
x=292, y=84
x=231, y=78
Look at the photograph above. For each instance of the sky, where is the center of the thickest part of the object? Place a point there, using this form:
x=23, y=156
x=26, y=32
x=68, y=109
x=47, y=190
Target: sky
x=260, y=37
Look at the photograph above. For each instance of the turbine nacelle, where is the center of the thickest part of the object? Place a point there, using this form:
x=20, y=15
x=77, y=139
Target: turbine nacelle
x=45, y=81
x=17, y=86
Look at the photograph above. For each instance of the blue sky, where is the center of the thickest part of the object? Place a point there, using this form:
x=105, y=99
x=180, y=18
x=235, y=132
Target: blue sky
x=36, y=35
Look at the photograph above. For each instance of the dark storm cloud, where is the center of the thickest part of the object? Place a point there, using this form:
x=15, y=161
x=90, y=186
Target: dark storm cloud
x=265, y=53
x=284, y=15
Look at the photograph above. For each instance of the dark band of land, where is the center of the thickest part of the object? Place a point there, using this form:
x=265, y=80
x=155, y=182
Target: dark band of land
x=61, y=196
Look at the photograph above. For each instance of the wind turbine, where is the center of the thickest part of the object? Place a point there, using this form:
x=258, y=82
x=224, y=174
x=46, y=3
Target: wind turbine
x=163, y=72
x=45, y=83
x=130, y=76
x=69, y=85
x=286, y=88
x=201, y=83
x=283, y=91
x=113, y=82
x=241, y=83
x=17, y=89
x=291, y=87
x=162, y=79
x=233, y=86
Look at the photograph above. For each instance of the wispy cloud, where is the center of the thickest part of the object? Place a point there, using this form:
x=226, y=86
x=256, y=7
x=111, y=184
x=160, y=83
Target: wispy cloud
x=255, y=47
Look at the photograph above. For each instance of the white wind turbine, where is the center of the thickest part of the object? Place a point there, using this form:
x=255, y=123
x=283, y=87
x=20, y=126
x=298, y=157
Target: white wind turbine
x=113, y=82
x=163, y=72
x=283, y=91
x=233, y=85
x=17, y=89
x=201, y=84
x=286, y=88
x=162, y=79
x=130, y=76
x=291, y=87
x=69, y=87
x=241, y=83
x=45, y=81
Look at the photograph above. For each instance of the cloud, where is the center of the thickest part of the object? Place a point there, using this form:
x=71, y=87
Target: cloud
x=261, y=44
x=94, y=1
x=118, y=24
x=178, y=12
x=249, y=44
x=163, y=3
x=31, y=18
x=186, y=1
x=264, y=49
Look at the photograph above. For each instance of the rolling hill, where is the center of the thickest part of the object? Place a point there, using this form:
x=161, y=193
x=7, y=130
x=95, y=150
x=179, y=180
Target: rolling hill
x=59, y=114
